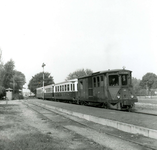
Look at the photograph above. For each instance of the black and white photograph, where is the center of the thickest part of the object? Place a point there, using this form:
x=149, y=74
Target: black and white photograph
x=78, y=75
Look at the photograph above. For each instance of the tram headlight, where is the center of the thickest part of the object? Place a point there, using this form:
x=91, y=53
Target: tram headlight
x=118, y=96
x=132, y=96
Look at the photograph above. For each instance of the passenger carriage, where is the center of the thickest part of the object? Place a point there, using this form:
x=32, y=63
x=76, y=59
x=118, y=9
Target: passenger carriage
x=49, y=92
x=66, y=91
x=39, y=92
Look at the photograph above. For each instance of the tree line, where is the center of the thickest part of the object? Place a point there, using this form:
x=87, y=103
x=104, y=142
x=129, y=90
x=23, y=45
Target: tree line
x=10, y=78
x=147, y=86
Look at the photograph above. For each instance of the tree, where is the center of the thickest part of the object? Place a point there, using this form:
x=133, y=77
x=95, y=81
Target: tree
x=0, y=55
x=12, y=78
x=2, y=89
x=79, y=73
x=8, y=74
x=37, y=81
x=149, y=81
x=136, y=85
x=18, y=81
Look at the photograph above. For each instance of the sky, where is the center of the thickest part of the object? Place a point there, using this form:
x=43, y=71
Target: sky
x=68, y=35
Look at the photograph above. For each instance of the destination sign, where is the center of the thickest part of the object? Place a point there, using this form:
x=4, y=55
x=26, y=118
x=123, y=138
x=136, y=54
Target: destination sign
x=123, y=72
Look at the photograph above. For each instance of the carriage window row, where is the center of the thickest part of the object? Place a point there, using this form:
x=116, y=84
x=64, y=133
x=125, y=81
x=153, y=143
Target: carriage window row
x=98, y=81
x=48, y=90
x=66, y=87
x=39, y=91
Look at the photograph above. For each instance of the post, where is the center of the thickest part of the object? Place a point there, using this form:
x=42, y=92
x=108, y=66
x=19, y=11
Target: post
x=146, y=88
x=6, y=100
x=13, y=88
x=43, y=65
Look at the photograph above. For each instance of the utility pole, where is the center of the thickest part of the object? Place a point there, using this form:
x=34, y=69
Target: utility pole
x=43, y=65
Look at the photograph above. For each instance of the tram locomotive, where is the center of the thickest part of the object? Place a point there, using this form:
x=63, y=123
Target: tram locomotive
x=110, y=89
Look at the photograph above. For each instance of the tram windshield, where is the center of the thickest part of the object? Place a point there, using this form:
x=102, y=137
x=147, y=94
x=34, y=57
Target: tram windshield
x=113, y=80
x=124, y=79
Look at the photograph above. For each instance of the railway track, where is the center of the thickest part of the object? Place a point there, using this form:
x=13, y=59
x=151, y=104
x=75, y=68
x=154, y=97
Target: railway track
x=144, y=145
x=144, y=113
x=132, y=111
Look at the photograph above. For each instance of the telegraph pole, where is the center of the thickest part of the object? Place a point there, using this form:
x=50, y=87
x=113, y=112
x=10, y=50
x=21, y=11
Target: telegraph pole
x=43, y=65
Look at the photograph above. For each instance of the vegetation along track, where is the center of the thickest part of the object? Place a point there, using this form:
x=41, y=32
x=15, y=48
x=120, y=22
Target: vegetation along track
x=89, y=126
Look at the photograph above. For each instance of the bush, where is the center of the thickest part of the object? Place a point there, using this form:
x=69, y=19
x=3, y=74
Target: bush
x=17, y=96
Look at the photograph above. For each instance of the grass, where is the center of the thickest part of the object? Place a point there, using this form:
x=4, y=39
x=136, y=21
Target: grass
x=16, y=134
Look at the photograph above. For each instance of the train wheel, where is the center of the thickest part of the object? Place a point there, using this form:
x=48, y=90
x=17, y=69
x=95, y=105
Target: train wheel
x=129, y=108
x=106, y=106
x=103, y=105
x=78, y=102
x=82, y=103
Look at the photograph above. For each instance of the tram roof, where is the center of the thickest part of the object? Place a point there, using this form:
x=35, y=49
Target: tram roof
x=68, y=81
x=113, y=70
x=106, y=71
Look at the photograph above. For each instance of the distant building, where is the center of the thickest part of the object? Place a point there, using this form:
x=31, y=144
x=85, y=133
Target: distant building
x=27, y=93
x=9, y=94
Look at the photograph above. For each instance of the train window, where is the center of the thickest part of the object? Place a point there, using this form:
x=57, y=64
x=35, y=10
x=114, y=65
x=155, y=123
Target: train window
x=98, y=81
x=102, y=80
x=113, y=80
x=94, y=81
x=71, y=87
x=48, y=90
x=124, y=79
x=74, y=87
x=65, y=88
x=81, y=85
x=68, y=87
x=60, y=88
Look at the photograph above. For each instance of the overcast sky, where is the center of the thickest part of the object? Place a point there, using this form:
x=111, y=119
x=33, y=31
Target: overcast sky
x=73, y=34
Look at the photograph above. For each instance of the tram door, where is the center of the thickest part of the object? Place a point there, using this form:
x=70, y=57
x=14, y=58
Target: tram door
x=90, y=88
x=82, y=89
x=85, y=89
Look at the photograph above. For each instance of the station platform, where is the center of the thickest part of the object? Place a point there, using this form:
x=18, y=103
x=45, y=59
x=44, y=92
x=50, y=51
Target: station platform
x=125, y=121
x=121, y=116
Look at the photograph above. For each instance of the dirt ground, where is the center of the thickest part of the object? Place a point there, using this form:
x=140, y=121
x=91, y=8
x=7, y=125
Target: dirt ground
x=24, y=129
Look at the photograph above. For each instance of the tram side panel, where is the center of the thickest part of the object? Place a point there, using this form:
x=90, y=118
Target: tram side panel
x=92, y=89
x=49, y=92
x=83, y=89
x=39, y=93
x=65, y=95
x=100, y=88
x=66, y=92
